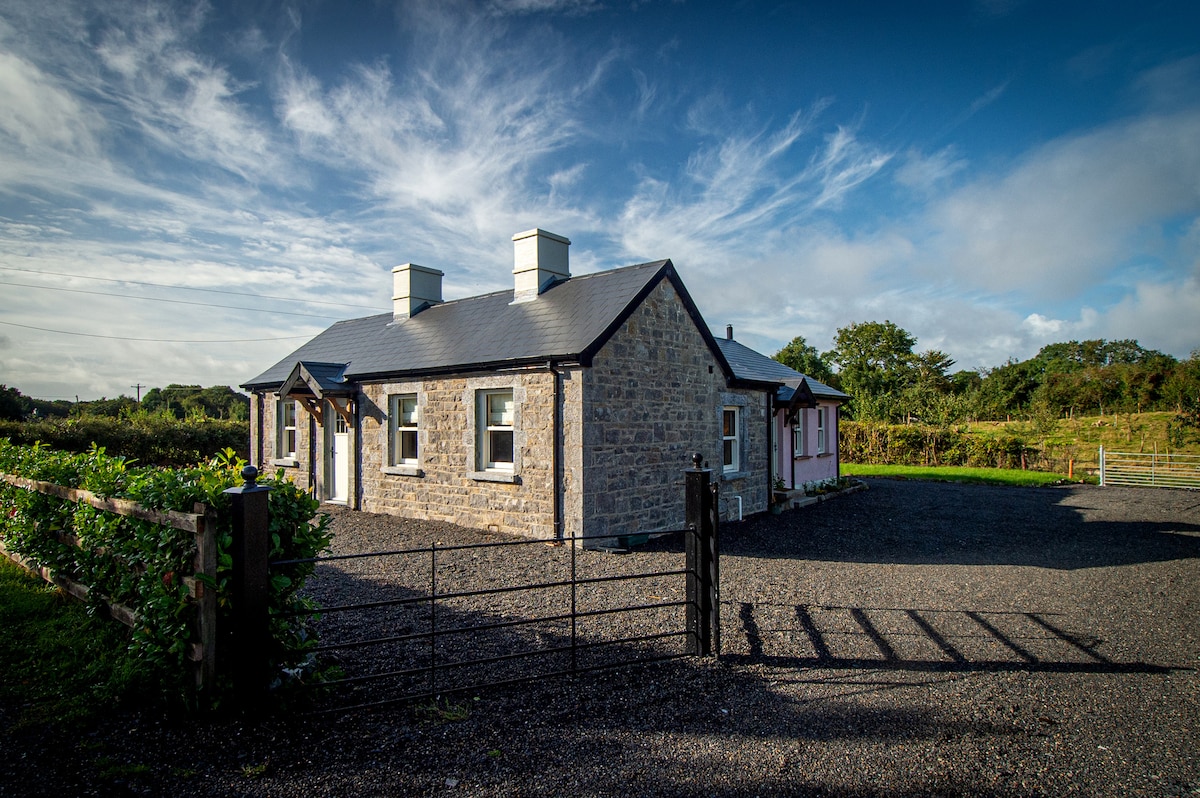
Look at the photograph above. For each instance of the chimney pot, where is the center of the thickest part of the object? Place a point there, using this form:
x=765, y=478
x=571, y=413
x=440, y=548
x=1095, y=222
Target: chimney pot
x=729, y=332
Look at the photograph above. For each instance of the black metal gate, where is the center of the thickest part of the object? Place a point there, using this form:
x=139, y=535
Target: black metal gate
x=440, y=622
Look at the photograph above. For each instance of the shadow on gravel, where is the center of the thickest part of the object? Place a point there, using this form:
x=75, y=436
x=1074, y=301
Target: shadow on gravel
x=492, y=623
x=909, y=522
x=939, y=641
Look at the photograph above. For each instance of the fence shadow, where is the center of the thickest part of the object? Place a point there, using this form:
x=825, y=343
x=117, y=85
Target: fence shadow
x=915, y=639
x=492, y=623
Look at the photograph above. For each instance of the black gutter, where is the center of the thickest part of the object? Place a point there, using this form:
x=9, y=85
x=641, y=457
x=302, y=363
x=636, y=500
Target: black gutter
x=772, y=459
x=555, y=461
x=259, y=436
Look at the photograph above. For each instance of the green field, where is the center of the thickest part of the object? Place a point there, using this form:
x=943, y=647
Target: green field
x=1081, y=437
x=975, y=476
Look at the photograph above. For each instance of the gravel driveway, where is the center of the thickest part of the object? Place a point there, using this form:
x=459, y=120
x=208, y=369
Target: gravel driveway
x=911, y=639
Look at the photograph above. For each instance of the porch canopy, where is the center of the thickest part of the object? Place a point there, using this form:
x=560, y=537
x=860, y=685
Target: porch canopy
x=311, y=384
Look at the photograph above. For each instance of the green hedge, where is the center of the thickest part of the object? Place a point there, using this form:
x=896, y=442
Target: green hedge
x=147, y=438
x=141, y=565
x=921, y=445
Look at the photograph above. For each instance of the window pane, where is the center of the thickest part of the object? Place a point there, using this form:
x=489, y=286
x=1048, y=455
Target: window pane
x=408, y=446
x=730, y=423
x=408, y=411
x=289, y=414
x=501, y=446
x=500, y=409
x=727, y=456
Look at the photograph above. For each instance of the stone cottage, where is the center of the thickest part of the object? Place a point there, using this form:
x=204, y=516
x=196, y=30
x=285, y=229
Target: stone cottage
x=567, y=406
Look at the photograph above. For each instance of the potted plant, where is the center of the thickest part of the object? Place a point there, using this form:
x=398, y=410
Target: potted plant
x=780, y=491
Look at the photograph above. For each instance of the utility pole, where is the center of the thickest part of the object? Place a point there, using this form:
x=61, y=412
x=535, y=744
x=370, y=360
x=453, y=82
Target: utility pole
x=138, y=387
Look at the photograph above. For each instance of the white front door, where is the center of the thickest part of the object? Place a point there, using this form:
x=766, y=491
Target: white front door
x=338, y=479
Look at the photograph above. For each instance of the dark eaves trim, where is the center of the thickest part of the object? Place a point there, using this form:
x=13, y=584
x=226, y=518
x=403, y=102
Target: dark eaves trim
x=468, y=368
x=442, y=371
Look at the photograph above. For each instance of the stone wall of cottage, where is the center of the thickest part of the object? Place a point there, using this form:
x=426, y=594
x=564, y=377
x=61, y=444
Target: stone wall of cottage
x=446, y=485
x=651, y=398
x=264, y=448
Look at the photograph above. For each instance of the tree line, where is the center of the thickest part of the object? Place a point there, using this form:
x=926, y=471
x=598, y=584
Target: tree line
x=888, y=380
x=178, y=401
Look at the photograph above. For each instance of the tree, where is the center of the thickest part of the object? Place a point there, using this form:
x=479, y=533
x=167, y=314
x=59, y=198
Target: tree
x=874, y=359
x=805, y=359
x=11, y=407
x=181, y=401
x=1008, y=389
x=109, y=408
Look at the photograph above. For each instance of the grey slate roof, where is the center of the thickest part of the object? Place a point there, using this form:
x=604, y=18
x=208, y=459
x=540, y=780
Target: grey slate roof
x=568, y=321
x=752, y=366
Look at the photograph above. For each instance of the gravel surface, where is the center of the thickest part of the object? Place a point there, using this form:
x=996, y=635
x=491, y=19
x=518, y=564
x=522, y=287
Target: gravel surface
x=911, y=639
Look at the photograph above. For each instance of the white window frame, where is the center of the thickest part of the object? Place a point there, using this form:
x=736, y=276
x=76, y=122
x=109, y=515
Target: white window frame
x=821, y=448
x=401, y=427
x=286, y=433
x=487, y=426
x=798, y=436
x=731, y=443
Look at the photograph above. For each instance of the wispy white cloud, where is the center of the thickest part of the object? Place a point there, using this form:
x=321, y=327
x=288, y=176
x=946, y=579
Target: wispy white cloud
x=926, y=174
x=136, y=142
x=742, y=189
x=1070, y=211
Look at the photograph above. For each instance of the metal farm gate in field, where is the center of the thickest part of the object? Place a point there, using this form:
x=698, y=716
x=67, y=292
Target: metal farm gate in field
x=1149, y=469
x=429, y=621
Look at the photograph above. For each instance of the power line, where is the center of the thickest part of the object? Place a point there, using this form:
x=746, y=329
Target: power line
x=156, y=340
x=190, y=288
x=172, y=301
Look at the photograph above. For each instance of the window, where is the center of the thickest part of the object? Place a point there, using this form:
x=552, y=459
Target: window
x=798, y=436
x=730, y=442
x=285, y=429
x=820, y=430
x=404, y=417
x=496, y=430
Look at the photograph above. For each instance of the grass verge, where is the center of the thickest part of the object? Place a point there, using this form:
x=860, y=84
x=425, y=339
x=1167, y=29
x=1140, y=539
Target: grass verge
x=60, y=665
x=975, y=476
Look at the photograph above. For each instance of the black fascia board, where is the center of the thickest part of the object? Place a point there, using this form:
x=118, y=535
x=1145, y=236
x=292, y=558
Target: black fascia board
x=469, y=368
x=442, y=371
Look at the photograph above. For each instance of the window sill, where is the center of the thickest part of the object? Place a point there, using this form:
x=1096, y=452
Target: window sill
x=496, y=476
x=731, y=475
x=285, y=462
x=803, y=457
x=403, y=471
x=825, y=454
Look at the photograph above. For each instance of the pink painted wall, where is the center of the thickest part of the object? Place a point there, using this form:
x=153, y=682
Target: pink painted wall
x=810, y=464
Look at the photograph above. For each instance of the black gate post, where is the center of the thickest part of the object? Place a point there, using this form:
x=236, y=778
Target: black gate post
x=712, y=564
x=249, y=657
x=703, y=606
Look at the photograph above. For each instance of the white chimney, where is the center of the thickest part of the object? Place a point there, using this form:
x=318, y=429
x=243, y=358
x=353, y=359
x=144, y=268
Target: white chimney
x=539, y=260
x=414, y=288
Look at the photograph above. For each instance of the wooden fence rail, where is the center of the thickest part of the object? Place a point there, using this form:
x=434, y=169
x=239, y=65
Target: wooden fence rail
x=200, y=523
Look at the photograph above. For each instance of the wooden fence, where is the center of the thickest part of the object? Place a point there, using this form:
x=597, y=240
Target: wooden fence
x=199, y=523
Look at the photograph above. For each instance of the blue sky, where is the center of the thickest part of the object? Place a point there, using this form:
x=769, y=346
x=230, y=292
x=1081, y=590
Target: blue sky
x=189, y=191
